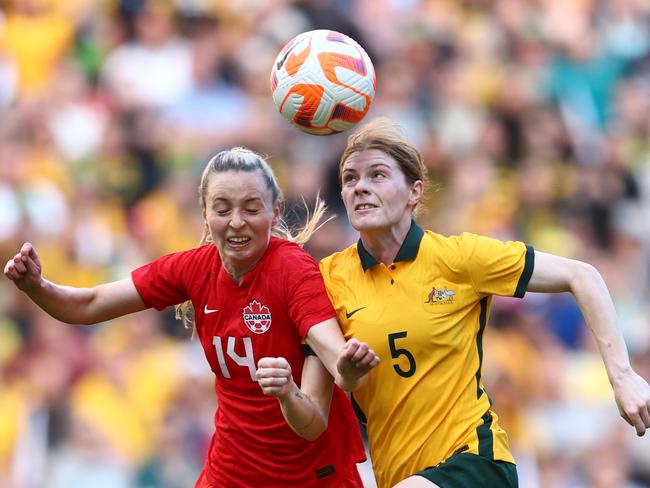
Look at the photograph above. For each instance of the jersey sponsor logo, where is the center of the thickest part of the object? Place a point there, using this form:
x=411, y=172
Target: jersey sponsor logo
x=441, y=296
x=257, y=317
x=350, y=314
x=208, y=311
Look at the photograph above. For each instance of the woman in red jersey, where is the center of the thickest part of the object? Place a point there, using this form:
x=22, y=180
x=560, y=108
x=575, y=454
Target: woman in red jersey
x=257, y=296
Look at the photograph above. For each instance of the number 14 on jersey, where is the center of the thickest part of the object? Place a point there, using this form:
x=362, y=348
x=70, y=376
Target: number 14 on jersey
x=247, y=361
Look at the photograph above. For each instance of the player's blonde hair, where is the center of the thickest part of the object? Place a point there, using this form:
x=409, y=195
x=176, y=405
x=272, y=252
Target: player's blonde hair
x=385, y=135
x=245, y=160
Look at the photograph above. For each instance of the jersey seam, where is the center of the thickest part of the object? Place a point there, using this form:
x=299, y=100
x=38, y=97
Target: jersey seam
x=469, y=273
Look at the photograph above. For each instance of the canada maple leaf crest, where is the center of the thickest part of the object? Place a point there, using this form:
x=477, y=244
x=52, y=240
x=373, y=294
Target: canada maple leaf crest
x=257, y=317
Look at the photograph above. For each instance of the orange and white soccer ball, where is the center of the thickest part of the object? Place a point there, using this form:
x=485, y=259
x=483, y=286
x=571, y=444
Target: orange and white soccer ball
x=323, y=82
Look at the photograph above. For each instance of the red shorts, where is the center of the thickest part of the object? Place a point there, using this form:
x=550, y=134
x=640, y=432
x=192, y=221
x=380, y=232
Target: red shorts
x=352, y=479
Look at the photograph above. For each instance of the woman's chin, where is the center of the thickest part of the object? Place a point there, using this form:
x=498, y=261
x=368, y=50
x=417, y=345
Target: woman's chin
x=364, y=224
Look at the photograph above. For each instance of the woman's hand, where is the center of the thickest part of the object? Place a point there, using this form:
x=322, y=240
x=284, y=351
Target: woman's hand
x=306, y=410
x=274, y=377
x=632, y=394
x=355, y=360
x=24, y=269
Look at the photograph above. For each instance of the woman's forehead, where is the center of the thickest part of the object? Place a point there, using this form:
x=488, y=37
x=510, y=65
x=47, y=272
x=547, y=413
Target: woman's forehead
x=369, y=158
x=237, y=185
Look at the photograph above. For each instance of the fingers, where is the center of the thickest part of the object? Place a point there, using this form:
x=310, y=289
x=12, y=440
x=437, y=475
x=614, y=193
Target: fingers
x=273, y=363
x=10, y=270
x=32, y=266
x=360, y=354
x=27, y=249
x=637, y=423
x=273, y=375
x=272, y=380
x=638, y=418
x=643, y=422
x=25, y=261
x=350, y=348
x=19, y=265
x=645, y=417
x=15, y=267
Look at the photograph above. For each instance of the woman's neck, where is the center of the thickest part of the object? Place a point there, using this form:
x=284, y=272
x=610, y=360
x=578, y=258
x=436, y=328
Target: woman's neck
x=384, y=243
x=237, y=272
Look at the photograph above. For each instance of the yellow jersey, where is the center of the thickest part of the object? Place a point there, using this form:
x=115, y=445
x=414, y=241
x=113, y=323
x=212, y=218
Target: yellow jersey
x=425, y=315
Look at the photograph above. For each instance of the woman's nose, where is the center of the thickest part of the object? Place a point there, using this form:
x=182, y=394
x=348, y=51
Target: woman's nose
x=361, y=186
x=236, y=220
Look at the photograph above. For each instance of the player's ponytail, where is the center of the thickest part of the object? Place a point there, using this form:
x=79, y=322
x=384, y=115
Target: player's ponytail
x=242, y=159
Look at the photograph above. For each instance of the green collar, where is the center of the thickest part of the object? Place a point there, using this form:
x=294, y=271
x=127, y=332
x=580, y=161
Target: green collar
x=407, y=252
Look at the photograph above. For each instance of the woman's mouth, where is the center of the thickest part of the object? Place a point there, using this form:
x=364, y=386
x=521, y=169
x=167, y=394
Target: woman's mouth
x=238, y=242
x=364, y=206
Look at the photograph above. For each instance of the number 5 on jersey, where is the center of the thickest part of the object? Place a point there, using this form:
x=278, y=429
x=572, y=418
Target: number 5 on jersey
x=246, y=361
x=396, y=352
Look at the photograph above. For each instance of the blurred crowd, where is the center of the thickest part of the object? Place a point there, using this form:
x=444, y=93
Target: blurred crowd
x=534, y=121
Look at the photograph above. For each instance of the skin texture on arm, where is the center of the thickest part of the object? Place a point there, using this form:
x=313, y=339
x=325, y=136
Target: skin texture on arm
x=554, y=274
x=69, y=304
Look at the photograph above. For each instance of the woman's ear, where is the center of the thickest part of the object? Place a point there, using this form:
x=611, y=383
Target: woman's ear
x=417, y=189
x=277, y=209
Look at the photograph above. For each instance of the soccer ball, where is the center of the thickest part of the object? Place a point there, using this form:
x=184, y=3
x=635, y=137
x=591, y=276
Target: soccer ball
x=323, y=82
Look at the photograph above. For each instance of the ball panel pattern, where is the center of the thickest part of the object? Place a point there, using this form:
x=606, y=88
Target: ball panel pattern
x=323, y=82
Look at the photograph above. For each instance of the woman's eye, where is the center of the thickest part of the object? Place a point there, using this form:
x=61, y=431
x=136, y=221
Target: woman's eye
x=349, y=178
x=378, y=174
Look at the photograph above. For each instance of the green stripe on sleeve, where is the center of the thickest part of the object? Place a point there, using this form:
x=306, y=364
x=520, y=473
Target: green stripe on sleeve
x=529, y=265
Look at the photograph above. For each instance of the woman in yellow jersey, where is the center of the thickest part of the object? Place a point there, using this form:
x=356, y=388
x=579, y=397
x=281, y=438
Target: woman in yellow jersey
x=421, y=301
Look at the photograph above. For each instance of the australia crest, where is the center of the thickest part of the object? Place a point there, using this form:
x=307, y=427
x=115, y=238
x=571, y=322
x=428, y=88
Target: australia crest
x=440, y=295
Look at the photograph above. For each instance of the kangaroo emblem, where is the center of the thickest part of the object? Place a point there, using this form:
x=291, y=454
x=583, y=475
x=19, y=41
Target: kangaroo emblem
x=441, y=295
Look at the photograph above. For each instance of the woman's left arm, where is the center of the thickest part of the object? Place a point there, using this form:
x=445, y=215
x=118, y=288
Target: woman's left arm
x=553, y=274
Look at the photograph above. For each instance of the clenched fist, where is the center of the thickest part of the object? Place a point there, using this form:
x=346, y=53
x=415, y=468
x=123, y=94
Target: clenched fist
x=274, y=377
x=24, y=269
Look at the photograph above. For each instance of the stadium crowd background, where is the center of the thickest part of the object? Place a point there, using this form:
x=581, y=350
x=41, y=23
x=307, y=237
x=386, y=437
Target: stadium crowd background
x=534, y=120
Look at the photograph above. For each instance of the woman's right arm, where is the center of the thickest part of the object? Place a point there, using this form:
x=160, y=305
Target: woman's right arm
x=70, y=304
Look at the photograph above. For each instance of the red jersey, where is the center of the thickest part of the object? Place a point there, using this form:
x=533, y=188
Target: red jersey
x=269, y=314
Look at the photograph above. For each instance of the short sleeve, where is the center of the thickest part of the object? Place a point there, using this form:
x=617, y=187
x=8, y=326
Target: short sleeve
x=496, y=267
x=165, y=281
x=308, y=301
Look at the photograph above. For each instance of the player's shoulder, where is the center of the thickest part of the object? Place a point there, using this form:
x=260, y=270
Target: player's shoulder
x=468, y=241
x=340, y=262
x=203, y=254
x=450, y=252
x=459, y=248
x=288, y=255
x=456, y=242
x=348, y=254
x=199, y=254
x=280, y=247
